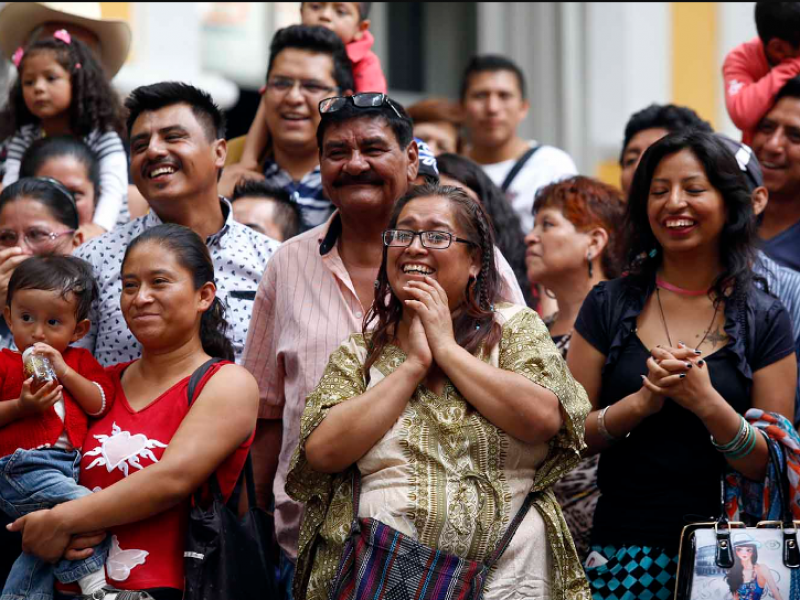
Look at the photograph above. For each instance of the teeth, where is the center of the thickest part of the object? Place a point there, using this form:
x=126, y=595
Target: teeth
x=680, y=223
x=162, y=171
x=417, y=269
x=770, y=165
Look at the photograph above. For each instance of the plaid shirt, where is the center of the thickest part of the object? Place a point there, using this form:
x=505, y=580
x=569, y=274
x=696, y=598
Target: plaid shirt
x=315, y=208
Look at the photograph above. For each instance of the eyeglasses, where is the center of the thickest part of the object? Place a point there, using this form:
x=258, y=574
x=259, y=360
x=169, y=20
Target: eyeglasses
x=365, y=100
x=309, y=89
x=35, y=238
x=433, y=240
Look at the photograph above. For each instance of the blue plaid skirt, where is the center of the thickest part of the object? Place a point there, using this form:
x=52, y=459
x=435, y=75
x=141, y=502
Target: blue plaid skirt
x=633, y=573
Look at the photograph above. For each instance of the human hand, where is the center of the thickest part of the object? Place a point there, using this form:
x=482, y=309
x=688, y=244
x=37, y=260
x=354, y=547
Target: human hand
x=682, y=375
x=430, y=303
x=33, y=403
x=82, y=546
x=10, y=259
x=42, y=535
x=235, y=174
x=54, y=356
x=419, y=351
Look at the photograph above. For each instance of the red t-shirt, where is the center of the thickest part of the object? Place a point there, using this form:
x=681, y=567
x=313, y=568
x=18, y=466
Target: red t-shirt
x=147, y=554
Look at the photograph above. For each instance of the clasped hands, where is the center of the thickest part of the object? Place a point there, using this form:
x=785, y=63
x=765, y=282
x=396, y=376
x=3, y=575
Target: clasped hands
x=431, y=333
x=682, y=375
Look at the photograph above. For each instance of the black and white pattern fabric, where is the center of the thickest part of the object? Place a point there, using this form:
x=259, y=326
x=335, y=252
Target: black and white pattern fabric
x=239, y=254
x=315, y=208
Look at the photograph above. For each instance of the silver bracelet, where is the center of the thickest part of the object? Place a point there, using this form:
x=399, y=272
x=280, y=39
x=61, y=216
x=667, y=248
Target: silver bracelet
x=601, y=425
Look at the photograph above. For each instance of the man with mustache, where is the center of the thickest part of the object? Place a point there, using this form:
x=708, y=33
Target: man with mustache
x=776, y=142
x=177, y=138
x=319, y=285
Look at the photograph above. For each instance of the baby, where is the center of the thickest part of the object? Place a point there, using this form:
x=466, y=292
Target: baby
x=43, y=423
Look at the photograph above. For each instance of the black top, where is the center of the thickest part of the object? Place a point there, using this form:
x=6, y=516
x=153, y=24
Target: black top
x=666, y=473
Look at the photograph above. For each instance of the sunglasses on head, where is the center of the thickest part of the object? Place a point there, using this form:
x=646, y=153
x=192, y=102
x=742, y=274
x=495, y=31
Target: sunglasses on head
x=364, y=100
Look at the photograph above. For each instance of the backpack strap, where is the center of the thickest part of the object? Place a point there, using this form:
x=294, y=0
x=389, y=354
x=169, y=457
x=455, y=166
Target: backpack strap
x=521, y=161
x=197, y=376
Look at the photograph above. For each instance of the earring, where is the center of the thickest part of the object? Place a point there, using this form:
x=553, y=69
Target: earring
x=591, y=267
x=377, y=284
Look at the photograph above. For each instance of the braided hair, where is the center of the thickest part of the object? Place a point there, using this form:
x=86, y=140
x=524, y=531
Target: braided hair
x=95, y=105
x=474, y=326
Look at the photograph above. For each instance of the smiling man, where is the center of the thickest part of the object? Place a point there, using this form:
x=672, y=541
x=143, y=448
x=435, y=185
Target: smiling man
x=494, y=101
x=306, y=65
x=776, y=143
x=177, y=137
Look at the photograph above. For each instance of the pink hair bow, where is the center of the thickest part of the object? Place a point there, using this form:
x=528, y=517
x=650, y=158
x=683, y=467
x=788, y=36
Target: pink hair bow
x=63, y=35
x=16, y=58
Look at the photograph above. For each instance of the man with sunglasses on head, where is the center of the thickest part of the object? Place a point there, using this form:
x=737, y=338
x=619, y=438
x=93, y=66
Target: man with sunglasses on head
x=306, y=65
x=320, y=284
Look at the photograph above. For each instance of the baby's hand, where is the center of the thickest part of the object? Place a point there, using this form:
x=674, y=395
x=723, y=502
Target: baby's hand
x=34, y=403
x=59, y=366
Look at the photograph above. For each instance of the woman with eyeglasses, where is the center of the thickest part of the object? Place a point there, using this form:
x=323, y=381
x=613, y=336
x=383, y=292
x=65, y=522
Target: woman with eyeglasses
x=449, y=412
x=37, y=216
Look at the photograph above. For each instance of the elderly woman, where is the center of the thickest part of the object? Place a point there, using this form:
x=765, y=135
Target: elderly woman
x=667, y=416
x=450, y=412
x=143, y=499
x=573, y=246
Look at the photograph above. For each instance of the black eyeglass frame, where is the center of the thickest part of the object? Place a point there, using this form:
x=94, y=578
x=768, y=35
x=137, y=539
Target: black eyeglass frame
x=451, y=237
x=362, y=100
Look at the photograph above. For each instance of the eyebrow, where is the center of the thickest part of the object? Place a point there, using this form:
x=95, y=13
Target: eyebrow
x=683, y=179
x=163, y=131
x=373, y=140
x=408, y=221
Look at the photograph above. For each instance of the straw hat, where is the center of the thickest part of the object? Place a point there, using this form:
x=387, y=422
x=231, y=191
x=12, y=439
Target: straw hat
x=19, y=19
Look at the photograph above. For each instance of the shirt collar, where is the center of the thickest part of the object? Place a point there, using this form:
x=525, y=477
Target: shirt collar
x=331, y=234
x=357, y=50
x=219, y=238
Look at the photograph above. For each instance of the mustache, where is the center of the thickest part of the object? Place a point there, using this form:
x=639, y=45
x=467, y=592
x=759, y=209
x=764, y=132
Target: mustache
x=366, y=178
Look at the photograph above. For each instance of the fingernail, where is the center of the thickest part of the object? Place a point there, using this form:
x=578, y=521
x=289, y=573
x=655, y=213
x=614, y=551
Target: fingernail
x=701, y=362
x=643, y=377
x=689, y=365
x=697, y=352
x=682, y=375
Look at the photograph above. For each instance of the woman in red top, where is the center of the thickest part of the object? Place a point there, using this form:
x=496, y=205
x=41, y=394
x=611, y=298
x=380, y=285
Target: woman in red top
x=148, y=456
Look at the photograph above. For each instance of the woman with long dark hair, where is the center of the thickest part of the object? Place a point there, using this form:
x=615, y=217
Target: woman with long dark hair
x=156, y=447
x=673, y=355
x=451, y=411
x=747, y=579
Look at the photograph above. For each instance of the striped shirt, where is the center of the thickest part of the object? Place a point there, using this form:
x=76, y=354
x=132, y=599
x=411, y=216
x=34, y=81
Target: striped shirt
x=306, y=306
x=315, y=208
x=112, y=206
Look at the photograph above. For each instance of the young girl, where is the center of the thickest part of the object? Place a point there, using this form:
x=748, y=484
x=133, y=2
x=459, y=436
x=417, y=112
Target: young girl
x=61, y=89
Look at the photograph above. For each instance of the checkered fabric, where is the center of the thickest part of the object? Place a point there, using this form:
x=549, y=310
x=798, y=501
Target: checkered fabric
x=633, y=573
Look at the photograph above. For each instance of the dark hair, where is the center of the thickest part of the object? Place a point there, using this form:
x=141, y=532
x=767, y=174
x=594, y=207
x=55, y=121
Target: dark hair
x=433, y=110
x=778, y=20
x=193, y=255
x=49, y=192
x=738, y=237
x=671, y=117
x=588, y=203
x=94, y=106
x=491, y=63
x=505, y=221
x=474, y=326
x=45, y=149
x=735, y=576
x=153, y=97
x=790, y=89
x=63, y=274
x=319, y=40
x=402, y=125
x=287, y=212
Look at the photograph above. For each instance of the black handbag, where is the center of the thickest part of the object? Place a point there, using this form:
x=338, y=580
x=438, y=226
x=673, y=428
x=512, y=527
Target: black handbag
x=226, y=556
x=709, y=563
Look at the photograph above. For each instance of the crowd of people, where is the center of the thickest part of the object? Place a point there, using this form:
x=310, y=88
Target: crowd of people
x=427, y=328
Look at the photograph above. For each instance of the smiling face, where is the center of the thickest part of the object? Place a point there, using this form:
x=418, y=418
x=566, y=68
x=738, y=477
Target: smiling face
x=633, y=154
x=493, y=107
x=451, y=267
x=46, y=85
x=292, y=114
x=44, y=316
x=555, y=248
x=159, y=301
x=776, y=143
x=343, y=18
x=75, y=177
x=172, y=157
x=363, y=167
x=684, y=210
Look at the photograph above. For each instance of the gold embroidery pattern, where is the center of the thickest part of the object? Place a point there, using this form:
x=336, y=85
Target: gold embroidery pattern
x=443, y=437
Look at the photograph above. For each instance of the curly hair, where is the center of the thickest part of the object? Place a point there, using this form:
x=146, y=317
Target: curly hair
x=508, y=231
x=588, y=203
x=738, y=237
x=95, y=106
x=474, y=326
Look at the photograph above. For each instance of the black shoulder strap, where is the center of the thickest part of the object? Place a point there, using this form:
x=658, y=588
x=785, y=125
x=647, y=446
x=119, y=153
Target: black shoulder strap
x=512, y=174
x=198, y=375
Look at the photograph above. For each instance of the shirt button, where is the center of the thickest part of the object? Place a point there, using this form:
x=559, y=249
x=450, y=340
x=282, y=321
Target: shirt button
x=359, y=314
